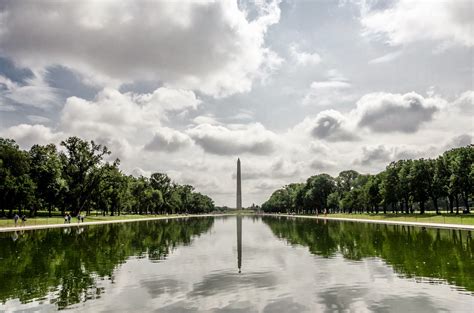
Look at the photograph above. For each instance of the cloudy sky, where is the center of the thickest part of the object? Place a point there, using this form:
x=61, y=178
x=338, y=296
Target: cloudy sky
x=293, y=88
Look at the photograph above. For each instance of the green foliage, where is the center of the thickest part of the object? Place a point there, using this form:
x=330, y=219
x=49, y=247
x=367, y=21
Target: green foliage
x=411, y=251
x=46, y=171
x=69, y=263
x=403, y=186
x=79, y=179
x=16, y=186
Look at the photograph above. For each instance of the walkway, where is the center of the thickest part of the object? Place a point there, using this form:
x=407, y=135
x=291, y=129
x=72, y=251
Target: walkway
x=75, y=224
x=361, y=220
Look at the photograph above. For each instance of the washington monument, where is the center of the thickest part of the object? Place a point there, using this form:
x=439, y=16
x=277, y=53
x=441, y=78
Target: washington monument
x=239, y=187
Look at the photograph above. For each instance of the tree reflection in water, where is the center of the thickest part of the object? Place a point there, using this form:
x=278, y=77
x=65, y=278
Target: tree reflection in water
x=66, y=264
x=413, y=252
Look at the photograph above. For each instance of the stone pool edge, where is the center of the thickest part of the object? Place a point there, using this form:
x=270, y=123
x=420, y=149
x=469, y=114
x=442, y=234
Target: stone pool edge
x=361, y=220
x=73, y=224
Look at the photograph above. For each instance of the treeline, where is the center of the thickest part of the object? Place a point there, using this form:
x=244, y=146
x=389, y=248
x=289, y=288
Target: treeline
x=77, y=179
x=404, y=186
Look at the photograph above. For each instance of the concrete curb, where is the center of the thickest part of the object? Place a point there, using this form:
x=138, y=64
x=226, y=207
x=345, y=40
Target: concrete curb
x=360, y=220
x=75, y=224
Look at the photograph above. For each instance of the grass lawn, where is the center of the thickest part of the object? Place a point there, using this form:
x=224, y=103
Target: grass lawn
x=464, y=219
x=60, y=220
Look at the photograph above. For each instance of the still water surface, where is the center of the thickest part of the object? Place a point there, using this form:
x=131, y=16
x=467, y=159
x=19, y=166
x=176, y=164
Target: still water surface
x=192, y=265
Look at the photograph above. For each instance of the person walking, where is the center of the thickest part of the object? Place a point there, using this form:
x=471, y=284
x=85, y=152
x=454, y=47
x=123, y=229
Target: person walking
x=23, y=220
x=16, y=218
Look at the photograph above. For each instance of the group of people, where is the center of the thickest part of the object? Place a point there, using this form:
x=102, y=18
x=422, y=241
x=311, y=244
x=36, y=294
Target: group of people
x=68, y=217
x=16, y=218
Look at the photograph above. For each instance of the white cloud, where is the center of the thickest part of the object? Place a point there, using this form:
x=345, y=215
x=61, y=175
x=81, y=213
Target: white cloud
x=320, y=148
x=374, y=155
x=6, y=83
x=206, y=119
x=335, y=75
x=110, y=114
x=386, y=58
x=328, y=125
x=126, y=115
x=37, y=119
x=137, y=172
x=331, y=125
x=410, y=21
x=234, y=139
x=171, y=99
x=277, y=169
x=465, y=102
x=244, y=115
x=168, y=140
x=328, y=93
x=28, y=135
x=329, y=85
x=378, y=156
x=335, y=90
x=208, y=46
x=120, y=147
x=458, y=141
x=34, y=92
x=386, y=112
x=321, y=165
x=304, y=58
x=128, y=122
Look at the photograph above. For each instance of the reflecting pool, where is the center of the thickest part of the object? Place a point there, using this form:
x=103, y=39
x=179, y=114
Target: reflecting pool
x=237, y=264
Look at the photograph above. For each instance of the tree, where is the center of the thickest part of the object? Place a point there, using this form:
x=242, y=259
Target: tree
x=112, y=190
x=346, y=179
x=333, y=201
x=373, y=192
x=293, y=190
x=82, y=171
x=162, y=182
x=437, y=181
x=450, y=175
x=420, y=178
x=201, y=203
x=16, y=186
x=461, y=167
x=319, y=187
x=138, y=189
x=390, y=186
x=405, y=182
x=279, y=201
x=46, y=172
x=79, y=178
x=185, y=192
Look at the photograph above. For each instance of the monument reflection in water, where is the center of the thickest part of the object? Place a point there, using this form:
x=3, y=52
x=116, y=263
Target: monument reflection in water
x=239, y=217
x=239, y=242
